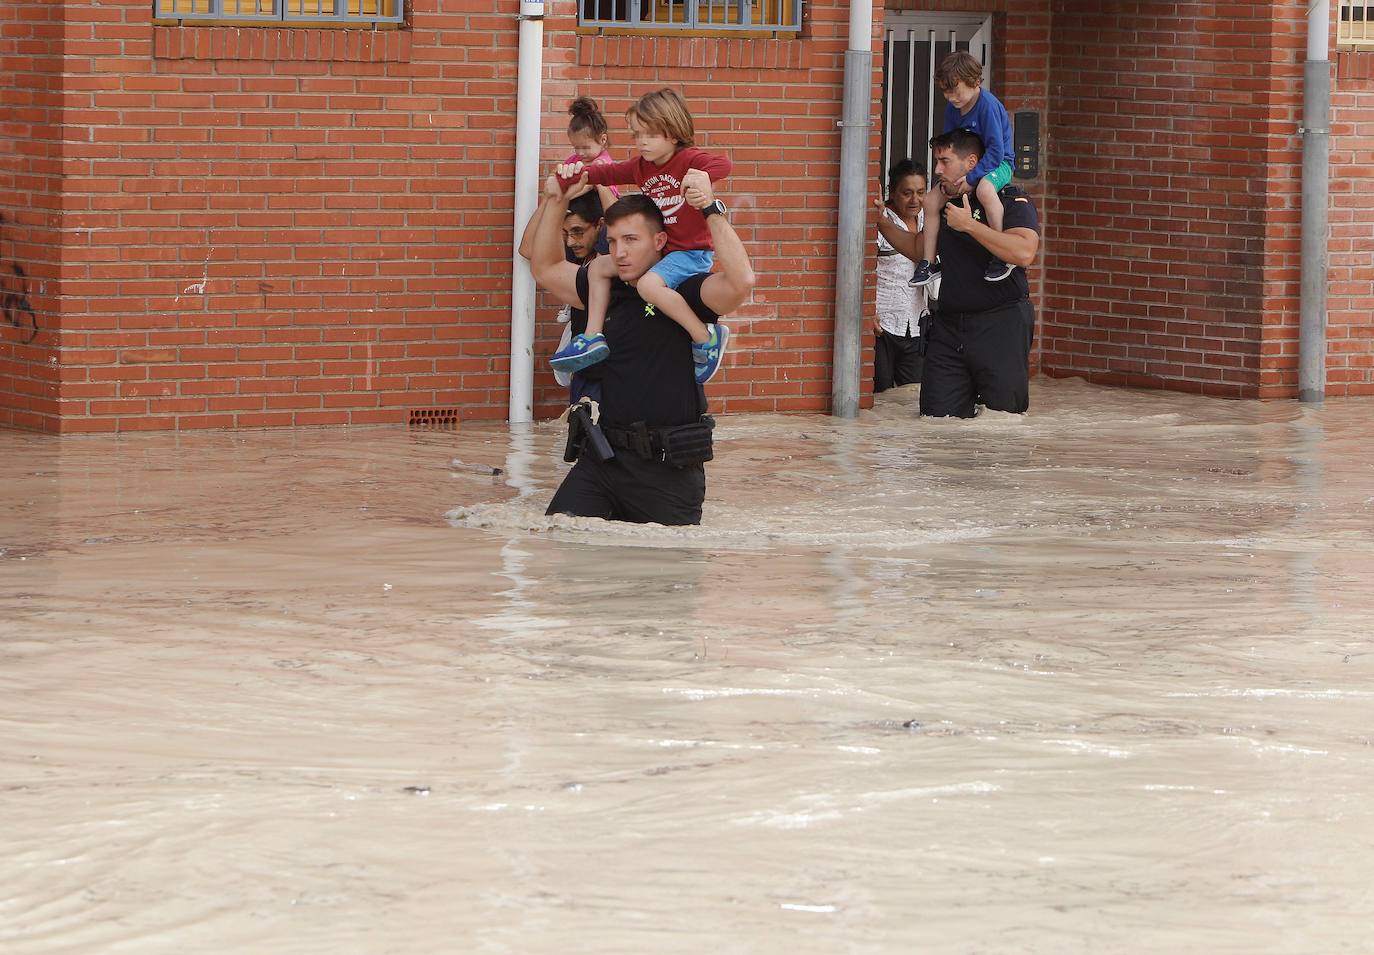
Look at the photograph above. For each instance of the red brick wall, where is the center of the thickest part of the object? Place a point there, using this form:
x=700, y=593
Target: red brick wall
x=1280, y=178
x=1156, y=222
x=297, y=227
x=1350, y=345
x=285, y=227
x=30, y=88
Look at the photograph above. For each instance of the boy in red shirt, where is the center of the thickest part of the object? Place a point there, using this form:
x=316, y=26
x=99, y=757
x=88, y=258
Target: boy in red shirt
x=663, y=132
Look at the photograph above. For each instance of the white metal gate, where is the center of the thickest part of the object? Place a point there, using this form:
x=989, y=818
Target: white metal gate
x=913, y=45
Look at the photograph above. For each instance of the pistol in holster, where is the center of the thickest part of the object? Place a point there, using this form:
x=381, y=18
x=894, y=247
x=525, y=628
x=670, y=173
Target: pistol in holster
x=923, y=324
x=585, y=435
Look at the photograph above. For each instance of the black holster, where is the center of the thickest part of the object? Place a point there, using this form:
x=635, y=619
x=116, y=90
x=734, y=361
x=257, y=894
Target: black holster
x=584, y=435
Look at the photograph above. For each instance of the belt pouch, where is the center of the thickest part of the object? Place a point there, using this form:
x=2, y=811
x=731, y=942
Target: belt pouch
x=688, y=443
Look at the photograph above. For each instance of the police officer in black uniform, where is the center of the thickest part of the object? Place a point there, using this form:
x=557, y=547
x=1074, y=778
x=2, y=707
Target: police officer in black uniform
x=978, y=350
x=652, y=412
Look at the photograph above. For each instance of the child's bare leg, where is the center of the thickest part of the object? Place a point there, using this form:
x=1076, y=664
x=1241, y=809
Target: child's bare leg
x=590, y=347
x=932, y=203
x=599, y=275
x=992, y=214
x=991, y=203
x=656, y=292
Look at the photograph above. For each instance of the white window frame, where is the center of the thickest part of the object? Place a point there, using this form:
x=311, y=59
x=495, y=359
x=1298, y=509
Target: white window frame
x=1355, y=25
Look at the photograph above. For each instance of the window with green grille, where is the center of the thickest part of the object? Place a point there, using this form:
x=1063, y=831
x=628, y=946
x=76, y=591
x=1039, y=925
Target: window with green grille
x=287, y=11
x=697, y=15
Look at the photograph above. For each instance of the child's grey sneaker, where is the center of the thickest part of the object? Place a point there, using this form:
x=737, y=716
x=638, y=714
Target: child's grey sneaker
x=922, y=275
x=707, y=356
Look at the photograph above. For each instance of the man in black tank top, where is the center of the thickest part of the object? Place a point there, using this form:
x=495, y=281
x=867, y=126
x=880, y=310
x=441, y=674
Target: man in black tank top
x=648, y=382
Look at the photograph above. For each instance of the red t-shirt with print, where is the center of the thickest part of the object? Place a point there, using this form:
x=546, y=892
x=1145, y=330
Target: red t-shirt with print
x=686, y=226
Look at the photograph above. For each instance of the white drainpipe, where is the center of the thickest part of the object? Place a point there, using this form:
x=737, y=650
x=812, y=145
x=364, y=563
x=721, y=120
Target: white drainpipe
x=527, y=112
x=1316, y=231
x=853, y=201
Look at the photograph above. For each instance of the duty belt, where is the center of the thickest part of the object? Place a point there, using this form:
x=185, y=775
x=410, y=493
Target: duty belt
x=678, y=445
x=642, y=440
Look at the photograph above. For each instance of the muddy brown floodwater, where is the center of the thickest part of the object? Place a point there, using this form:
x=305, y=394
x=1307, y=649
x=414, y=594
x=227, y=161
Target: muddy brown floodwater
x=1095, y=680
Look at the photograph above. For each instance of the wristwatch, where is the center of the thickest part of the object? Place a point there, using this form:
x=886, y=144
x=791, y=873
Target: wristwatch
x=715, y=208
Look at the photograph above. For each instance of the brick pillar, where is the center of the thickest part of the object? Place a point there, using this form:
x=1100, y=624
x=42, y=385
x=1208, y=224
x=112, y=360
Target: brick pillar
x=30, y=187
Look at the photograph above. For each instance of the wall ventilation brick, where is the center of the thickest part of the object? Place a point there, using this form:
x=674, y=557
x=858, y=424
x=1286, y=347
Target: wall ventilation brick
x=433, y=419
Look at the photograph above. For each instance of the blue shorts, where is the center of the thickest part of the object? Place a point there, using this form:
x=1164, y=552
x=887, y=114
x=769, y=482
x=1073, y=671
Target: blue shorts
x=677, y=267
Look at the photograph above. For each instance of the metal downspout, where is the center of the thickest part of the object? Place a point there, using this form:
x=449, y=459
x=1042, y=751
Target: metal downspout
x=527, y=102
x=1316, y=156
x=850, y=238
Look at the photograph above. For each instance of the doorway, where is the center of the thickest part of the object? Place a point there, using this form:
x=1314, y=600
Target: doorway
x=913, y=45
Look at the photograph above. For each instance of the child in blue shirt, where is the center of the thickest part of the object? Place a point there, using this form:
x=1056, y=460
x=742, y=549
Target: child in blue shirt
x=978, y=111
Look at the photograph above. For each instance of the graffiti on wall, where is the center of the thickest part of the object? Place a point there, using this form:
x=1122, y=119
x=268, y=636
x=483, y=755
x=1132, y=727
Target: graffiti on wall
x=14, y=292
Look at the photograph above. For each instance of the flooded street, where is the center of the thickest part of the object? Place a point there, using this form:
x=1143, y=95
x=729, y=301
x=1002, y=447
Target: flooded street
x=1095, y=680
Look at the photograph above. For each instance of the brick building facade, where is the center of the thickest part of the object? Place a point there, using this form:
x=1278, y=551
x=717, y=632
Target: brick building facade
x=212, y=226
x=1172, y=239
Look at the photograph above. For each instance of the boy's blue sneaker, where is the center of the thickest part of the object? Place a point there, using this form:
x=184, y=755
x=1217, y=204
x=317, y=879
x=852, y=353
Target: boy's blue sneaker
x=580, y=352
x=922, y=275
x=997, y=271
x=707, y=355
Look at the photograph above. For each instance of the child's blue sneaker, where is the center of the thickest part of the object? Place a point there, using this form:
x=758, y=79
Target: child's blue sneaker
x=707, y=355
x=922, y=275
x=997, y=270
x=580, y=352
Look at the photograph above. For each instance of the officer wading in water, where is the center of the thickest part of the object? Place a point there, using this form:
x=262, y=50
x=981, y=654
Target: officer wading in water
x=978, y=351
x=641, y=452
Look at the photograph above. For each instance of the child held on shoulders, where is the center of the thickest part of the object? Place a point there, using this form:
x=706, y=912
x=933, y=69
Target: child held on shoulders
x=590, y=138
x=663, y=132
x=977, y=110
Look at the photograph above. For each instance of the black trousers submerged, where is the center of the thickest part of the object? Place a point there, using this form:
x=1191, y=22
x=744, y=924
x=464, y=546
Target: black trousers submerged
x=630, y=488
x=975, y=358
x=896, y=361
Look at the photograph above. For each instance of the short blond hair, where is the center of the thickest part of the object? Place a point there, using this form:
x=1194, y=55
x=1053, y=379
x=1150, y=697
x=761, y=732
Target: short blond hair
x=664, y=112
